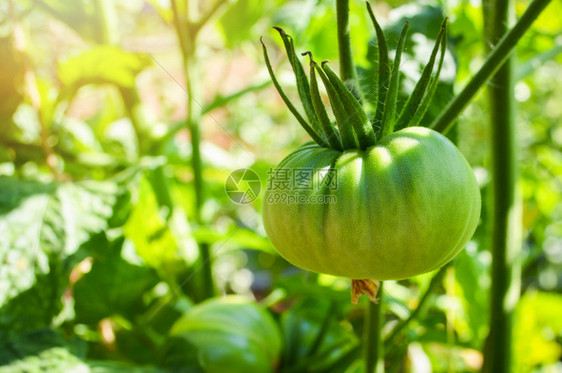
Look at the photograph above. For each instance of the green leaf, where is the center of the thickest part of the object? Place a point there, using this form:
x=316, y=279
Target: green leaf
x=469, y=272
x=537, y=330
x=302, y=81
x=389, y=115
x=42, y=228
x=37, y=341
x=102, y=65
x=413, y=103
x=315, y=136
x=329, y=129
x=314, y=342
x=433, y=84
x=342, y=119
x=124, y=284
x=48, y=351
x=424, y=22
x=383, y=68
x=237, y=237
x=238, y=20
x=353, y=110
x=149, y=227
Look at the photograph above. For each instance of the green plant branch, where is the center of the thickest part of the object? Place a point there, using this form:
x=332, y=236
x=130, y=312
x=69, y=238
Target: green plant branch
x=221, y=101
x=506, y=204
x=347, y=68
x=435, y=280
x=374, y=347
x=501, y=52
x=187, y=43
x=208, y=15
x=181, y=27
x=324, y=328
x=218, y=102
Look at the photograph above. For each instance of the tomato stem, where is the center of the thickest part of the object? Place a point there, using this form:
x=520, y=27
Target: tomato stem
x=495, y=60
x=435, y=281
x=347, y=67
x=506, y=202
x=374, y=347
x=187, y=39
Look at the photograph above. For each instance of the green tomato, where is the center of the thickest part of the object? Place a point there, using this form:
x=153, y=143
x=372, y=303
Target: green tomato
x=403, y=207
x=232, y=335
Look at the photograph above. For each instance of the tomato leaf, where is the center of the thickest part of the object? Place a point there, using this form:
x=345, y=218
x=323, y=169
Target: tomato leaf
x=389, y=114
x=413, y=103
x=329, y=129
x=316, y=137
x=43, y=226
x=302, y=82
x=353, y=110
x=418, y=116
x=123, y=283
x=342, y=119
x=384, y=70
x=102, y=65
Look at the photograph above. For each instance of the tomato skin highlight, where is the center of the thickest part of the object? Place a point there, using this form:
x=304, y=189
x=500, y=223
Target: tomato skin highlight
x=403, y=207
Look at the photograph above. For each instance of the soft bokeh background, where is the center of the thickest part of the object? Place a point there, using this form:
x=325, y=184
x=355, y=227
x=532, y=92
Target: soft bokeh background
x=99, y=231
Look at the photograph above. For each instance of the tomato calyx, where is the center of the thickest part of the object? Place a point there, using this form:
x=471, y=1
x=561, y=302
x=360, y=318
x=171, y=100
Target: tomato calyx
x=352, y=127
x=367, y=287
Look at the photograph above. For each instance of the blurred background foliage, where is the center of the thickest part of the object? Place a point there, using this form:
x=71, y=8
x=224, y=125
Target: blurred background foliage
x=99, y=262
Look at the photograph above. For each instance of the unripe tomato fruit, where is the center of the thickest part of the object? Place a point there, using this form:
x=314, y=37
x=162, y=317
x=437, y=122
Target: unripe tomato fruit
x=403, y=207
x=232, y=335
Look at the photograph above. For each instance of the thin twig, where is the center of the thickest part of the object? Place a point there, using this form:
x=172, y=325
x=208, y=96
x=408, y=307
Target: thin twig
x=435, y=280
x=495, y=60
x=207, y=16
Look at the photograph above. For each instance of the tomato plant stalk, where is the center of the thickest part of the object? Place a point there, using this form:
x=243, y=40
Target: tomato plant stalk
x=374, y=346
x=187, y=32
x=374, y=354
x=347, y=67
x=506, y=208
x=494, y=61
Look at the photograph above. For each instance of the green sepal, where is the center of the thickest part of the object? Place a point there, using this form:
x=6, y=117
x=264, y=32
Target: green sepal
x=315, y=136
x=346, y=130
x=413, y=103
x=432, y=86
x=389, y=115
x=384, y=69
x=329, y=128
x=302, y=81
x=352, y=110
